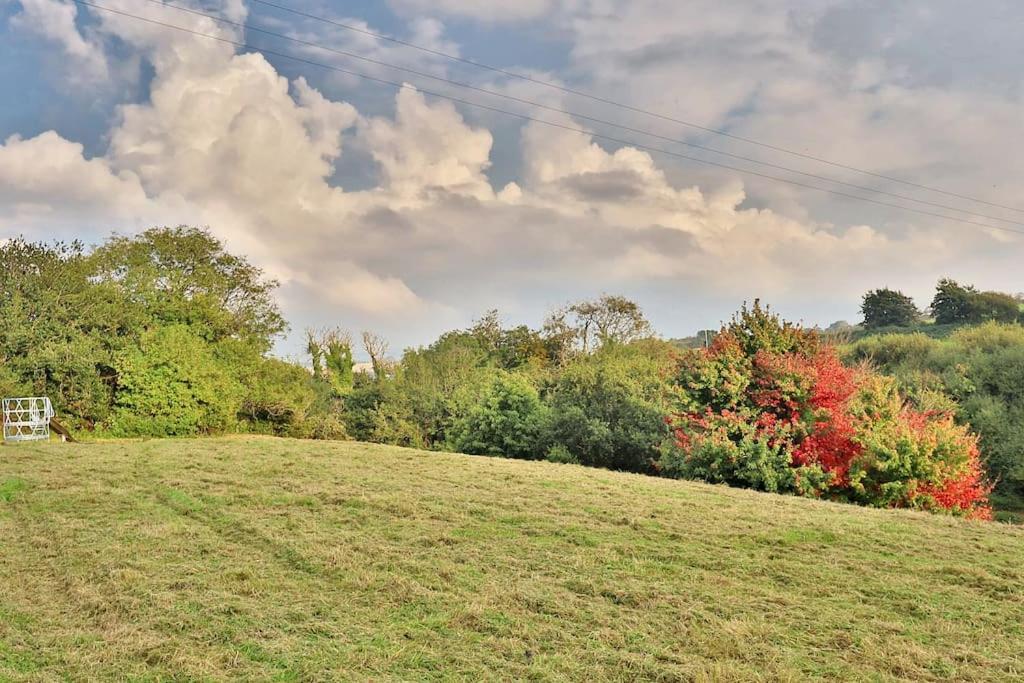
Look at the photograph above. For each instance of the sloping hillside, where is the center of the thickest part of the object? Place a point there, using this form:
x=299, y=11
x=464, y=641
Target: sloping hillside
x=264, y=559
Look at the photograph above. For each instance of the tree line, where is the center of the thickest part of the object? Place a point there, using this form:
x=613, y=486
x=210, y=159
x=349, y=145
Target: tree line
x=953, y=304
x=167, y=334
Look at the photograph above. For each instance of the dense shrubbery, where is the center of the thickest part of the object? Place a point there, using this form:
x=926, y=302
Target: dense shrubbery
x=173, y=384
x=586, y=388
x=162, y=334
x=608, y=409
x=506, y=420
x=166, y=334
x=977, y=372
x=767, y=406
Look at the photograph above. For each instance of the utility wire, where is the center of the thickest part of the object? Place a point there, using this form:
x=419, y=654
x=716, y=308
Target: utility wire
x=554, y=124
x=578, y=115
x=627, y=107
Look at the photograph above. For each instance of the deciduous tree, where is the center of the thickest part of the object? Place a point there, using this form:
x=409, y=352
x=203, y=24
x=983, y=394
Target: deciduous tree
x=888, y=307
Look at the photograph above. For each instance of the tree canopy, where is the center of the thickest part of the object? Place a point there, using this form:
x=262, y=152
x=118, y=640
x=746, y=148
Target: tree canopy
x=957, y=304
x=162, y=333
x=888, y=307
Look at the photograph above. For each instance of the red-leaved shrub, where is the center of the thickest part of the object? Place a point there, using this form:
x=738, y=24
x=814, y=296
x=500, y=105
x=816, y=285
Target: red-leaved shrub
x=768, y=406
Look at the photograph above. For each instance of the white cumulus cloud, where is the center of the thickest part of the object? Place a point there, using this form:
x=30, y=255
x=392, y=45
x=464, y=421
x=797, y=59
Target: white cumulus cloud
x=224, y=139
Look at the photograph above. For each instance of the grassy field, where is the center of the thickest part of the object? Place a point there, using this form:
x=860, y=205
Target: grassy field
x=267, y=559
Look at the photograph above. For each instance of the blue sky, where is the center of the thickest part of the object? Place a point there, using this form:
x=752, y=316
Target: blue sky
x=406, y=214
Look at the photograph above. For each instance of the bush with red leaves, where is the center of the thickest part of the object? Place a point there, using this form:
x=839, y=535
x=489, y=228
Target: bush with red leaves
x=769, y=407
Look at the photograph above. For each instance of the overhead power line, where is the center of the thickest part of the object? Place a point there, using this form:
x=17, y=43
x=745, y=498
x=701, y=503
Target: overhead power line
x=574, y=114
x=622, y=105
x=554, y=124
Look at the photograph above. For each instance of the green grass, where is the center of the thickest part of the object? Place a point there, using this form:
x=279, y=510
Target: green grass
x=266, y=559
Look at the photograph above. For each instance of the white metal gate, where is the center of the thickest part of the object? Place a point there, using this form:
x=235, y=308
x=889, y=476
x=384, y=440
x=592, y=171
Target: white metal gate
x=27, y=418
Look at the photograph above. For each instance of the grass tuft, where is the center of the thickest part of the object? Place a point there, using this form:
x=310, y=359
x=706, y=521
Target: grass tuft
x=9, y=488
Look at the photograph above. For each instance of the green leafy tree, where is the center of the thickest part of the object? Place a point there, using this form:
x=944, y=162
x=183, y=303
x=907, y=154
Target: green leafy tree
x=173, y=384
x=59, y=329
x=953, y=302
x=74, y=325
x=277, y=396
x=888, y=307
x=184, y=276
x=361, y=405
x=758, y=328
x=338, y=361
x=487, y=331
x=963, y=304
x=608, y=408
x=511, y=348
x=433, y=387
x=591, y=324
x=521, y=347
x=330, y=351
x=997, y=306
x=507, y=421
